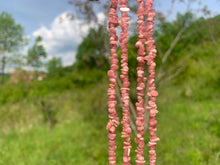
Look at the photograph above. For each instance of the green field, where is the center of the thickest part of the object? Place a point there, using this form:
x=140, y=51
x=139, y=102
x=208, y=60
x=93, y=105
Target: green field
x=189, y=130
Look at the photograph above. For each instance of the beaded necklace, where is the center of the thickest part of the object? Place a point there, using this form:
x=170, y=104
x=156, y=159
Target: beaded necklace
x=140, y=84
x=145, y=34
x=123, y=40
x=113, y=117
x=152, y=93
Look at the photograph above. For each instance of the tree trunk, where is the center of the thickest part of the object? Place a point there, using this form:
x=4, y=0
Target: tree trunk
x=3, y=70
x=49, y=120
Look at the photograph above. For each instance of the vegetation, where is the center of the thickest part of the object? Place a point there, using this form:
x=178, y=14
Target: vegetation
x=189, y=134
x=54, y=65
x=11, y=38
x=35, y=53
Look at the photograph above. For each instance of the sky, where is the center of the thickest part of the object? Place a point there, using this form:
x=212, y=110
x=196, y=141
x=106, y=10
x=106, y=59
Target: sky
x=60, y=39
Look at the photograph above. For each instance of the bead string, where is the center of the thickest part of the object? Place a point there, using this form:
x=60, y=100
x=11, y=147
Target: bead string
x=123, y=40
x=140, y=84
x=152, y=93
x=113, y=117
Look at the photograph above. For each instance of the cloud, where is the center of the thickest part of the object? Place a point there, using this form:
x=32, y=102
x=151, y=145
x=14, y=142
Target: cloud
x=62, y=37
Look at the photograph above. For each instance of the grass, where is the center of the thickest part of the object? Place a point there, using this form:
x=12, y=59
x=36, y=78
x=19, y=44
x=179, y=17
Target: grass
x=189, y=130
x=189, y=133
x=25, y=138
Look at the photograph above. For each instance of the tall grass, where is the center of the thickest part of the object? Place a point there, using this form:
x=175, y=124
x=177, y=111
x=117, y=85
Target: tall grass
x=188, y=129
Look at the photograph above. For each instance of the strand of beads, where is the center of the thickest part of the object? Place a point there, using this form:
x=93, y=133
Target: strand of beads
x=152, y=93
x=113, y=118
x=140, y=84
x=123, y=40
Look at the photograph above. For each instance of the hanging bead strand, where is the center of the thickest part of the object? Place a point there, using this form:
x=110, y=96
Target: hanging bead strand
x=123, y=40
x=113, y=117
x=140, y=84
x=152, y=93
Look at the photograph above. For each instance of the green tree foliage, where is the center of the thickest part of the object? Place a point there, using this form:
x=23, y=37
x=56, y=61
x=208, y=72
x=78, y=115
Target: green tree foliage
x=11, y=39
x=36, y=53
x=17, y=61
x=92, y=51
x=167, y=32
x=195, y=54
x=195, y=32
x=187, y=43
x=54, y=65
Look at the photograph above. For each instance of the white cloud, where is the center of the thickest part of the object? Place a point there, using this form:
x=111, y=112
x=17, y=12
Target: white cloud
x=101, y=18
x=62, y=37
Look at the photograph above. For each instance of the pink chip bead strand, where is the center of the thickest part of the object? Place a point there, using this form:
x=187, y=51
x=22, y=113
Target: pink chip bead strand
x=140, y=84
x=113, y=117
x=152, y=93
x=123, y=41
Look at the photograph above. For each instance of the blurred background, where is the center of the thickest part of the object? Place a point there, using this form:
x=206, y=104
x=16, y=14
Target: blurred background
x=53, y=76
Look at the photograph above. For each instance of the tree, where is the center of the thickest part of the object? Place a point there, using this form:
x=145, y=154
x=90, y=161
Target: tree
x=54, y=65
x=92, y=50
x=11, y=39
x=36, y=53
x=17, y=61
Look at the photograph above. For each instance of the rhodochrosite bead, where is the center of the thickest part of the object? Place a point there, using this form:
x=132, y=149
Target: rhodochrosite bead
x=123, y=40
x=140, y=84
x=145, y=34
x=152, y=107
x=113, y=118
